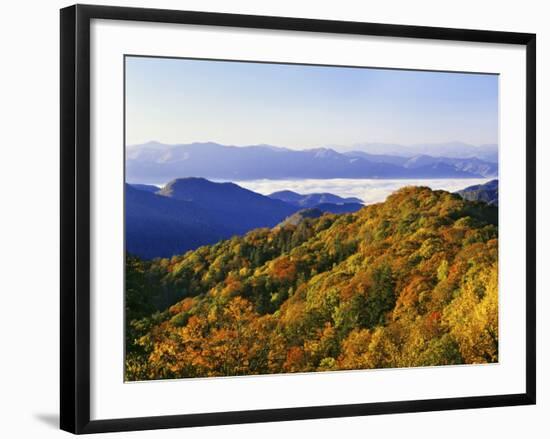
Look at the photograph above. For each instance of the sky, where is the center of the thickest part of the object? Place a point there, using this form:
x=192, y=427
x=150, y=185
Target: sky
x=301, y=106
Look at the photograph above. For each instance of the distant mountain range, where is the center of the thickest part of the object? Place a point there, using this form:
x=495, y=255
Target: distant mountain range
x=472, y=165
x=155, y=162
x=488, y=152
x=189, y=212
x=311, y=200
x=487, y=193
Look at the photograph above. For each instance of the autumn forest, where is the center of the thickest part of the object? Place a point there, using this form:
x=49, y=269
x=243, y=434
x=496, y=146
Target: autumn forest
x=410, y=281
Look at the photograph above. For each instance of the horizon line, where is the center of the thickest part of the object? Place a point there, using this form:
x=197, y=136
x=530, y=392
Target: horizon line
x=357, y=144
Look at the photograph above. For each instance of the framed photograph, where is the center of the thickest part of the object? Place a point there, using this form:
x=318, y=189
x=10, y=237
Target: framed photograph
x=268, y=218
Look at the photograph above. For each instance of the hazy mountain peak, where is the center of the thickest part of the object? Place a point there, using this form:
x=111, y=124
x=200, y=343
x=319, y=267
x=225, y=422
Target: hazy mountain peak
x=324, y=152
x=181, y=187
x=487, y=192
x=314, y=200
x=452, y=149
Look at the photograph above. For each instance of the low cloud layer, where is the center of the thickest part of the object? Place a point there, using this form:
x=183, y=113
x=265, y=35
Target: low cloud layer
x=368, y=190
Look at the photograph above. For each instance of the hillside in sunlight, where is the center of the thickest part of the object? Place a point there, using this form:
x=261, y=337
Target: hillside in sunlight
x=408, y=282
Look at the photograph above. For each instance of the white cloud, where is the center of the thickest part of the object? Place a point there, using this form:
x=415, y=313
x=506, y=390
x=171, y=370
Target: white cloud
x=369, y=190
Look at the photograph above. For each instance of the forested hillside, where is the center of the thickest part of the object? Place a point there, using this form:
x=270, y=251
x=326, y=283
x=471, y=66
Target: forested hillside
x=409, y=282
x=487, y=192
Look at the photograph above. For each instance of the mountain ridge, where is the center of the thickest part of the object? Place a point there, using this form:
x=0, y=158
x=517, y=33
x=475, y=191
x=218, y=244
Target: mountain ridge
x=157, y=163
x=312, y=199
x=412, y=281
x=487, y=192
x=229, y=200
x=190, y=212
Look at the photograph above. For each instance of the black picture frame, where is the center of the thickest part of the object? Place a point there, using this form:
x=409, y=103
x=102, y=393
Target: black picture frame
x=75, y=217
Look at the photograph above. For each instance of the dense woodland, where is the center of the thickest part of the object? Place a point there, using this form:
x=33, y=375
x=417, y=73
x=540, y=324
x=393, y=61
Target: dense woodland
x=412, y=281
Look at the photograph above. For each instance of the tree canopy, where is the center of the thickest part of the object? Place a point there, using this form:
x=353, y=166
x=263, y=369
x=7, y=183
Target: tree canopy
x=412, y=281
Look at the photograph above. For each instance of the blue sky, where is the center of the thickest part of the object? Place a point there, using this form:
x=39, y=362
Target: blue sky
x=297, y=106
